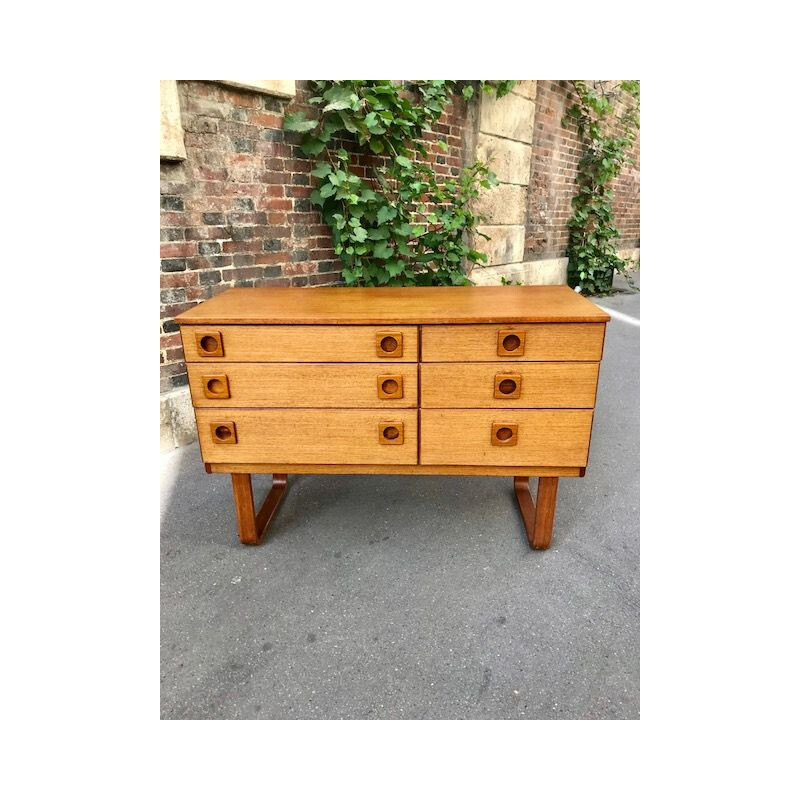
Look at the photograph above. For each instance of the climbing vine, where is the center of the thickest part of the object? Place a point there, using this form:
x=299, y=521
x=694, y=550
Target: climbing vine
x=394, y=220
x=607, y=117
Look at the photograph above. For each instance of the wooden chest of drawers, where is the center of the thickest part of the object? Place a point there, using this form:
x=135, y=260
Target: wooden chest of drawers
x=462, y=380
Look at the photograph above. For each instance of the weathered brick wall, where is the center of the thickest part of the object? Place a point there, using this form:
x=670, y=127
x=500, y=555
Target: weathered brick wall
x=237, y=212
x=554, y=164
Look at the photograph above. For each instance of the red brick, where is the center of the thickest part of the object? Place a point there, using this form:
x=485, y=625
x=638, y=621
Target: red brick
x=177, y=249
x=171, y=280
x=266, y=120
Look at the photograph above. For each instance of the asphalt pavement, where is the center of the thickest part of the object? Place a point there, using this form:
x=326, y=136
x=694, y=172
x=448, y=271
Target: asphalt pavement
x=411, y=597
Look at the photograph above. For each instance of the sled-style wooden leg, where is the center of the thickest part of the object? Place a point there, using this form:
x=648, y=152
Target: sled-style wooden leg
x=538, y=518
x=252, y=526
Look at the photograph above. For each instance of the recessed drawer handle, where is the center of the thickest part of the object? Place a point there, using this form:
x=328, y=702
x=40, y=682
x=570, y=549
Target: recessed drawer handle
x=216, y=387
x=209, y=344
x=510, y=343
x=390, y=432
x=223, y=432
x=504, y=434
x=390, y=387
x=507, y=386
x=389, y=344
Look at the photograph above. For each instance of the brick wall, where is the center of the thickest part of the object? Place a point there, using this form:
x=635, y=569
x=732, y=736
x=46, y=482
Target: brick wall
x=237, y=212
x=554, y=163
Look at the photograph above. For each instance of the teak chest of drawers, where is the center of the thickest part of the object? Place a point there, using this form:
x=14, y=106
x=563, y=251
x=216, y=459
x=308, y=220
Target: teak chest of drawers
x=455, y=381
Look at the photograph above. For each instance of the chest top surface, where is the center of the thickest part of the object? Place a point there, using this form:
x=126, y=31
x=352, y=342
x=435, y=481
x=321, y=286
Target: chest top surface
x=393, y=306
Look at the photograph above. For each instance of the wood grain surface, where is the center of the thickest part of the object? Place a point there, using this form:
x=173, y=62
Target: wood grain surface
x=395, y=306
x=464, y=436
x=308, y=436
x=306, y=343
x=395, y=469
x=541, y=385
x=562, y=342
x=303, y=385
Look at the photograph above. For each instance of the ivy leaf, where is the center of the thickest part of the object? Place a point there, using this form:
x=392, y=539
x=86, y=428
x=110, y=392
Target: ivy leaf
x=312, y=146
x=339, y=98
x=382, y=250
x=386, y=213
x=443, y=146
x=394, y=268
x=348, y=123
x=376, y=145
x=350, y=276
x=403, y=161
x=467, y=92
x=321, y=170
x=296, y=121
x=327, y=190
x=359, y=234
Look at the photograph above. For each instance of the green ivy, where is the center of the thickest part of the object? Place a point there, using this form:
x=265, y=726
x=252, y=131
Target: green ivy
x=402, y=224
x=607, y=117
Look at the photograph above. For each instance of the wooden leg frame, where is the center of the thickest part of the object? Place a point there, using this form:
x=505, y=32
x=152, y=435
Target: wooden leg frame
x=538, y=518
x=252, y=526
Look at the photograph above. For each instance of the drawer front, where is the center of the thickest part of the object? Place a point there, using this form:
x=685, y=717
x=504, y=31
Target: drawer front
x=468, y=437
x=304, y=343
x=503, y=385
x=284, y=436
x=240, y=385
x=543, y=342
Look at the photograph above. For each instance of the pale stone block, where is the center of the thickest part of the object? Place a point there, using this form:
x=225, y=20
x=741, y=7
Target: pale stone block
x=510, y=161
x=172, y=147
x=526, y=89
x=177, y=419
x=632, y=254
x=510, y=116
x=167, y=440
x=502, y=205
x=506, y=246
x=276, y=88
x=549, y=272
x=184, y=428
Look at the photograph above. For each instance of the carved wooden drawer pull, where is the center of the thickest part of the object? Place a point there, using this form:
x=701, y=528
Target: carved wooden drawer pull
x=507, y=386
x=390, y=433
x=223, y=432
x=215, y=387
x=510, y=343
x=504, y=434
x=390, y=387
x=389, y=344
x=209, y=344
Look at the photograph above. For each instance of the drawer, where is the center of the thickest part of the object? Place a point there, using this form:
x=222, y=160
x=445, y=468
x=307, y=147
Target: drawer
x=503, y=385
x=306, y=343
x=477, y=437
x=564, y=341
x=391, y=385
x=310, y=436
